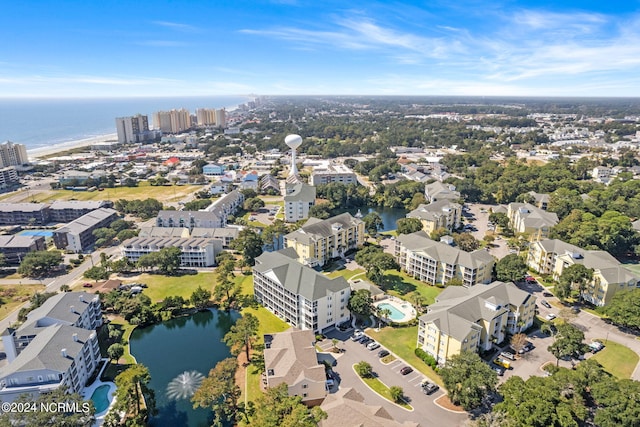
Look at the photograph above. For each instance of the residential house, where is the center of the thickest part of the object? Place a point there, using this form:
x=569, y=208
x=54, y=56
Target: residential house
x=552, y=256
x=297, y=293
x=290, y=357
x=440, y=214
x=437, y=263
x=318, y=241
x=474, y=319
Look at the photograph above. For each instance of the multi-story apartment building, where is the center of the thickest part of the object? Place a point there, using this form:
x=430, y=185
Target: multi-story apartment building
x=290, y=357
x=132, y=129
x=173, y=121
x=526, y=218
x=437, y=263
x=327, y=173
x=189, y=219
x=297, y=293
x=439, y=191
x=9, y=177
x=440, y=214
x=318, y=241
x=552, y=256
x=15, y=247
x=474, y=319
x=539, y=200
x=77, y=236
x=66, y=211
x=24, y=214
x=56, y=346
x=298, y=200
x=211, y=117
x=12, y=154
x=194, y=252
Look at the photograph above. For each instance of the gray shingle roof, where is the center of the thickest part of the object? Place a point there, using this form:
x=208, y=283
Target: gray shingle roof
x=434, y=210
x=300, y=192
x=315, y=229
x=87, y=221
x=292, y=357
x=420, y=242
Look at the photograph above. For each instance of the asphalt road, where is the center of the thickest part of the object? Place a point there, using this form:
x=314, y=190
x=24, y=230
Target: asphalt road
x=425, y=411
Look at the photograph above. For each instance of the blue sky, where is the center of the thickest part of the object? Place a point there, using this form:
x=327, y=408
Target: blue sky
x=433, y=47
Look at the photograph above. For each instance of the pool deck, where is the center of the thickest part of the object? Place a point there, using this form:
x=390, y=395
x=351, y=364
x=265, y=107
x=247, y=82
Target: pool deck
x=87, y=392
x=402, y=306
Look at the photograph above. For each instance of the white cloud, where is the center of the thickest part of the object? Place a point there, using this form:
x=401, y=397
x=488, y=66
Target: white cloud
x=186, y=28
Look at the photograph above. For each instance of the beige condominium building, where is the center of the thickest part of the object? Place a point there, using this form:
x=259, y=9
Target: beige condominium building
x=526, y=218
x=473, y=319
x=298, y=294
x=290, y=357
x=440, y=214
x=436, y=262
x=320, y=240
x=552, y=256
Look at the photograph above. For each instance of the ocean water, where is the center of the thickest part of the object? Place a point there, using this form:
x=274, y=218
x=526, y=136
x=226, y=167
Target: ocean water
x=39, y=123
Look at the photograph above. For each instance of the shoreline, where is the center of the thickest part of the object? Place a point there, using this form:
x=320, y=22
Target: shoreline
x=36, y=153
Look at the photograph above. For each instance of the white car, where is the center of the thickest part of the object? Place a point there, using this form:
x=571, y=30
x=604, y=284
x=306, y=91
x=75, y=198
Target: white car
x=550, y=316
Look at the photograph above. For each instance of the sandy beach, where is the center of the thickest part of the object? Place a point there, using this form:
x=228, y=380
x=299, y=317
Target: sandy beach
x=58, y=148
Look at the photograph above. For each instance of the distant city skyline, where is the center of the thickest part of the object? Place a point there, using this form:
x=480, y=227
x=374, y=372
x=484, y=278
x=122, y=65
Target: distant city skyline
x=299, y=47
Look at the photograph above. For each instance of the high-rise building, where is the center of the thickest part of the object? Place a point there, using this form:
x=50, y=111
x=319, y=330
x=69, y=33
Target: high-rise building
x=12, y=154
x=221, y=118
x=8, y=177
x=173, y=121
x=132, y=129
x=206, y=117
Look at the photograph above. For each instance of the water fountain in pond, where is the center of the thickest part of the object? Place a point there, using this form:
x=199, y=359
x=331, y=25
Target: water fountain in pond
x=184, y=385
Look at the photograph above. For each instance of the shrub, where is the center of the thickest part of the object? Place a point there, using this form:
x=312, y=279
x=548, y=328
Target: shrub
x=426, y=358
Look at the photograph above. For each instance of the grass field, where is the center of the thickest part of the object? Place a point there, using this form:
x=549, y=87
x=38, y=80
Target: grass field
x=163, y=194
x=617, y=359
x=347, y=274
x=402, y=342
x=160, y=287
x=400, y=284
x=13, y=296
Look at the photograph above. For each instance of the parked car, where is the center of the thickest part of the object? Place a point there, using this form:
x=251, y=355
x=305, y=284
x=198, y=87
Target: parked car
x=429, y=387
x=406, y=370
x=550, y=316
x=373, y=345
x=547, y=294
x=596, y=346
x=502, y=362
x=383, y=353
x=575, y=309
x=366, y=340
x=545, y=303
x=508, y=355
x=357, y=335
x=87, y=285
x=498, y=369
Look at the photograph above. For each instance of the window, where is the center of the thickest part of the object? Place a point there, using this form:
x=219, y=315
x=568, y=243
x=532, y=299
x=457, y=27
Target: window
x=304, y=386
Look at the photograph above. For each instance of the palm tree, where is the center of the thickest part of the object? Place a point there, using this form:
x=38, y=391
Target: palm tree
x=382, y=314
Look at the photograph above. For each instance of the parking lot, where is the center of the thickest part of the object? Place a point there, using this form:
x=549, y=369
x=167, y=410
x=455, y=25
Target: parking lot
x=424, y=408
x=477, y=215
x=265, y=215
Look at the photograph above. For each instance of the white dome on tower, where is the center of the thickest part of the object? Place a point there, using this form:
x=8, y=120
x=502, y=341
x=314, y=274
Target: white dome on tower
x=293, y=141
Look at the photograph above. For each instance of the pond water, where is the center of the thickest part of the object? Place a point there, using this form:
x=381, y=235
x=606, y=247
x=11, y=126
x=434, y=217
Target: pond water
x=179, y=353
x=389, y=215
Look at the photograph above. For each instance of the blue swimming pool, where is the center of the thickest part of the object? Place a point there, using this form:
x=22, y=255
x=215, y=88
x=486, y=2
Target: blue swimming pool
x=396, y=315
x=100, y=398
x=44, y=233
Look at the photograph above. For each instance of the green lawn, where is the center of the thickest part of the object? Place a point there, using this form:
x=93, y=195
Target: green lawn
x=160, y=287
x=164, y=194
x=617, y=359
x=400, y=284
x=13, y=296
x=402, y=342
x=347, y=274
x=382, y=389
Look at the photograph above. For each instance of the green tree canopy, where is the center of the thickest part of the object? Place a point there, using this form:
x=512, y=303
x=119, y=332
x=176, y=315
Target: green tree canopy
x=466, y=241
x=361, y=303
x=624, y=308
x=220, y=393
x=132, y=384
x=372, y=223
x=408, y=225
x=115, y=351
x=275, y=408
x=39, y=263
x=250, y=244
x=363, y=369
x=511, y=268
x=569, y=341
x=200, y=298
x=468, y=379
x=574, y=278
x=242, y=334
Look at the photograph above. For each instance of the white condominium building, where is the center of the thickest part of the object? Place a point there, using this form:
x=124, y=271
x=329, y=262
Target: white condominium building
x=326, y=173
x=437, y=263
x=298, y=294
x=132, y=129
x=12, y=154
x=194, y=252
x=318, y=240
x=299, y=198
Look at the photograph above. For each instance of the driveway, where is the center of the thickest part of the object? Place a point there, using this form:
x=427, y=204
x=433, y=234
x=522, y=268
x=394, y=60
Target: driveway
x=425, y=411
x=478, y=216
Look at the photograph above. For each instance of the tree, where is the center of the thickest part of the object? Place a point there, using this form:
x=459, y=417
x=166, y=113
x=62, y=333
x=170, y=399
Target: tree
x=39, y=263
x=115, y=352
x=466, y=241
x=569, y=342
x=397, y=393
x=617, y=402
x=468, y=379
x=96, y=273
x=624, y=308
x=132, y=385
x=169, y=260
x=242, y=334
x=250, y=244
x=511, y=268
x=576, y=276
x=275, y=408
x=372, y=223
x=200, y=298
x=417, y=300
x=228, y=288
x=518, y=342
x=219, y=392
x=438, y=233
x=253, y=204
x=363, y=369
x=408, y=225
x=82, y=417
x=361, y=303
